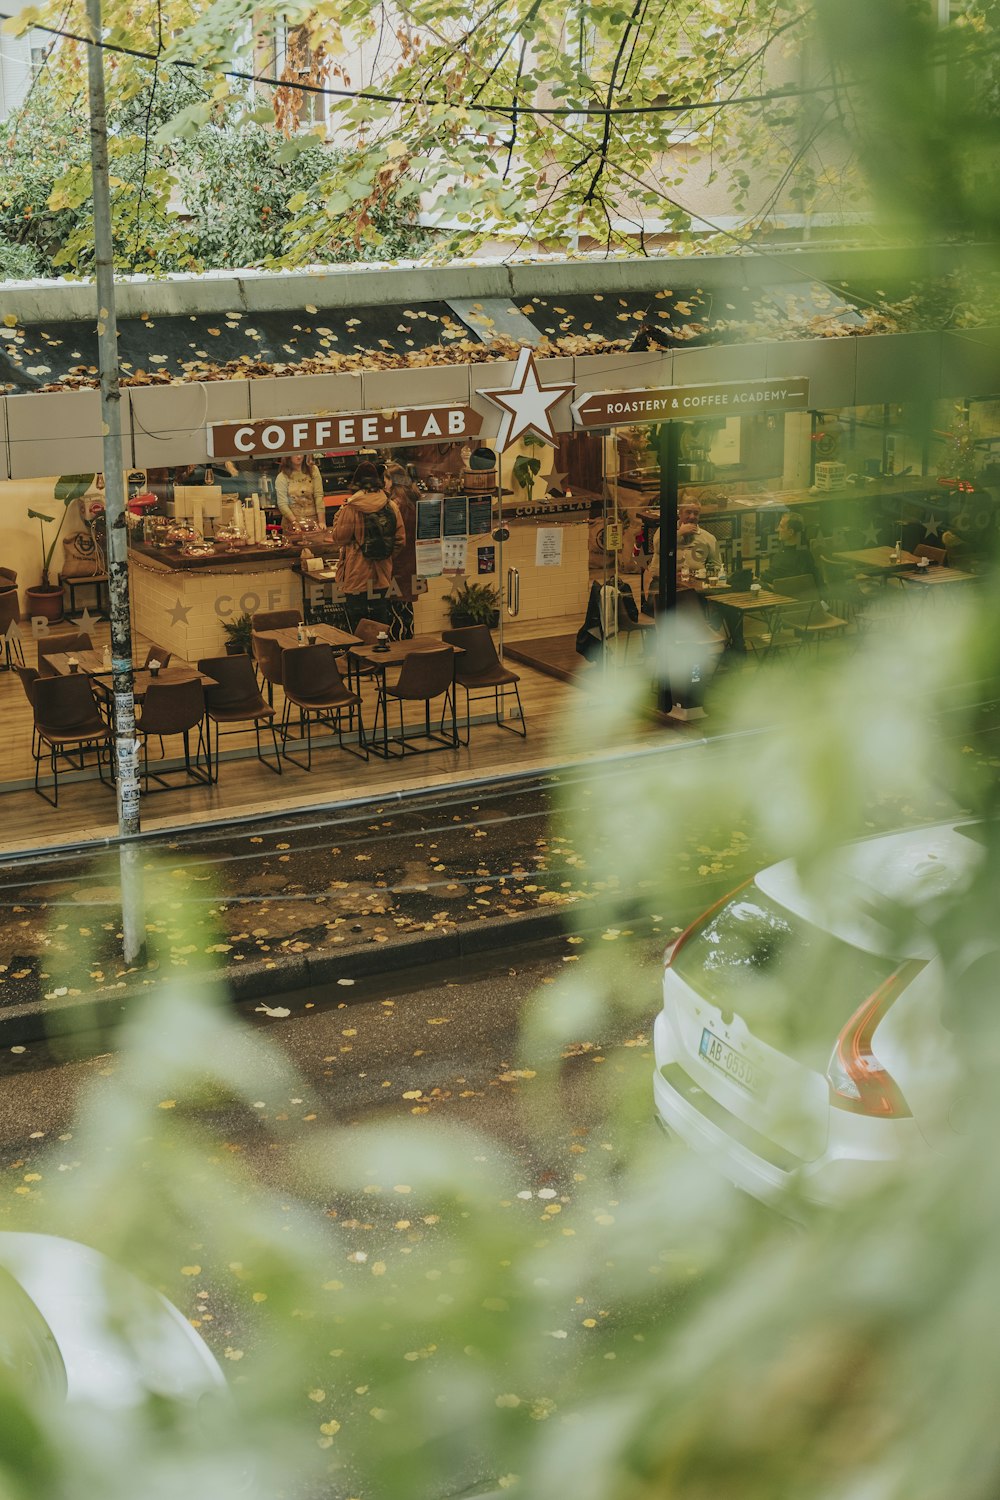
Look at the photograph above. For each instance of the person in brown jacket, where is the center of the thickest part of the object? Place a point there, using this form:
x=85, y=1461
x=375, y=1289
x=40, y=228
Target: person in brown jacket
x=370, y=529
x=404, y=567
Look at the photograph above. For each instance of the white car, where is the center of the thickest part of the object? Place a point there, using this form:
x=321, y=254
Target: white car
x=63, y=1333
x=802, y=1041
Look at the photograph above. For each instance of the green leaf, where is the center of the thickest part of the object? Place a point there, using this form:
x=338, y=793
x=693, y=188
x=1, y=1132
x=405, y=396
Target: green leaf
x=70, y=487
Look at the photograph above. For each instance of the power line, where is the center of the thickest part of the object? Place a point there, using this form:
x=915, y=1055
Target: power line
x=512, y=110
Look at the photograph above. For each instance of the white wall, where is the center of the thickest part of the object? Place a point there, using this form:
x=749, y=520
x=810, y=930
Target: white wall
x=15, y=61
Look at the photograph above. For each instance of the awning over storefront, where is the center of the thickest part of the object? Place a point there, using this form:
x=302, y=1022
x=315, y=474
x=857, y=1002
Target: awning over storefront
x=157, y=349
x=221, y=349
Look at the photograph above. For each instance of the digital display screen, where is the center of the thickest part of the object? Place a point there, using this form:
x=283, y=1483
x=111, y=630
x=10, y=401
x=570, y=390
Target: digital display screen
x=456, y=515
x=480, y=516
x=429, y=520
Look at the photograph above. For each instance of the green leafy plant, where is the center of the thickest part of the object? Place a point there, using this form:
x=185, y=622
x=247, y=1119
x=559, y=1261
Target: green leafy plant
x=239, y=634
x=525, y=472
x=68, y=488
x=474, y=604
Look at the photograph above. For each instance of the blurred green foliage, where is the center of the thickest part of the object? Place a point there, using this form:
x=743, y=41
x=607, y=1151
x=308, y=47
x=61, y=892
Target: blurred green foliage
x=658, y=1335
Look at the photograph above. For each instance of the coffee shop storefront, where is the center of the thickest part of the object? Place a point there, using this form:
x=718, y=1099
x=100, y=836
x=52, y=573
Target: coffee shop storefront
x=835, y=429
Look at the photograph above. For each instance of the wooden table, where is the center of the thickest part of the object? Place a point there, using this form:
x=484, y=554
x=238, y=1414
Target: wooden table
x=379, y=661
x=326, y=635
x=92, y=665
x=747, y=600
x=878, y=559
x=701, y=585
x=938, y=574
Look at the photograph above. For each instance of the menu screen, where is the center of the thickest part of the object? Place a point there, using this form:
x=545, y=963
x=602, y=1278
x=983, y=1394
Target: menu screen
x=456, y=516
x=429, y=520
x=480, y=516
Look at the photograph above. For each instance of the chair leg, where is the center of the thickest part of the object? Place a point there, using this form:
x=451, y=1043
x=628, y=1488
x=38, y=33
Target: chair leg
x=523, y=731
x=274, y=740
x=52, y=801
x=306, y=717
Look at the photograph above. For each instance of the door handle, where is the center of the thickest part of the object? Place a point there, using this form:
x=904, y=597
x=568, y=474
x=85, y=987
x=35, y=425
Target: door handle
x=513, y=591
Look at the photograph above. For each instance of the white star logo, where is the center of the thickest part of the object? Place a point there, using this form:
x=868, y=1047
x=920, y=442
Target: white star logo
x=931, y=526
x=526, y=405
x=179, y=613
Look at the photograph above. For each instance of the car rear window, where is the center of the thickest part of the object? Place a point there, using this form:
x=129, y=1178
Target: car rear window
x=789, y=981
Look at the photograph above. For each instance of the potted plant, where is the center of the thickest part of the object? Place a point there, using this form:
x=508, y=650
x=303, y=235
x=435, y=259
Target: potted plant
x=46, y=598
x=474, y=604
x=239, y=632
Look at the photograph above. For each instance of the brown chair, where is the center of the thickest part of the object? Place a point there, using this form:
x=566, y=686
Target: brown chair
x=68, y=722
x=481, y=672
x=424, y=676
x=235, y=699
x=368, y=632
x=174, y=708
x=10, y=620
x=275, y=619
x=934, y=555
x=28, y=677
x=798, y=586
x=158, y=653
x=51, y=645
x=8, y=578
x=312, y=683
x=267, y=660
x=812, y=623
x=626, y=628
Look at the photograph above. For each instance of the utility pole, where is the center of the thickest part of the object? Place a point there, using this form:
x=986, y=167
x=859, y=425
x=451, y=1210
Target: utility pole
x=669, y=449
x=126, y=778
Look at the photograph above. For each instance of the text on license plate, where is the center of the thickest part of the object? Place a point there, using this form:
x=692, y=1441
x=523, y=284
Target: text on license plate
x=731, y=1062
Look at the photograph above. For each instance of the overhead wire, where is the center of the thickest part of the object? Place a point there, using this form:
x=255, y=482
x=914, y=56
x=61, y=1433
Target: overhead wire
x=375, y=97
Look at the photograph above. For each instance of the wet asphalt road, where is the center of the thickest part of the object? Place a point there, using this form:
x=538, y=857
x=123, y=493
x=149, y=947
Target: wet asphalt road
x=449, y=1032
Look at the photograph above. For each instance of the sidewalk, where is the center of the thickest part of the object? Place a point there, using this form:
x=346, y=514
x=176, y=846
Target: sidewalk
x=297, y=900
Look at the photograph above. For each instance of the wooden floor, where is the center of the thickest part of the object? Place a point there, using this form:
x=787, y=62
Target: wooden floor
x=87, y=809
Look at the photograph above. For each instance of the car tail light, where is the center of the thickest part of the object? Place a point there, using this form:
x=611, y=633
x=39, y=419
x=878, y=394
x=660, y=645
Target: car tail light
x=857, y=1080
x=671, y=951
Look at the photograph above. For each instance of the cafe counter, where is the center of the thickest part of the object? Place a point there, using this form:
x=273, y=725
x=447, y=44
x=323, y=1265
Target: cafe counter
x=183, y=603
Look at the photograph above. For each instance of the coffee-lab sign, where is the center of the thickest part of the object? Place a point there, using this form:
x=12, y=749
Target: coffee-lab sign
x=381, y=429
x=680, y=403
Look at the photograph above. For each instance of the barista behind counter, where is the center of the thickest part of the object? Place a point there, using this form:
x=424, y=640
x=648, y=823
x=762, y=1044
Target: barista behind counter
x=298, y=488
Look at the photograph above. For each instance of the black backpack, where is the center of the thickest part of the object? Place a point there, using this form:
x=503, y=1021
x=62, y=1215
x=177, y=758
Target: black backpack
x=379, y=540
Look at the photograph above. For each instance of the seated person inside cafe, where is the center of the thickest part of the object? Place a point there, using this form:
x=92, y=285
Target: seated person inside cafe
x=696, y=547
x=298, y=488
x=370, y=529
x=793, y=557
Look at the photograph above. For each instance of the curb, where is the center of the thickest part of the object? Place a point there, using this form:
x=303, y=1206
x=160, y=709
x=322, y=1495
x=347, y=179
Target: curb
x=258, y=979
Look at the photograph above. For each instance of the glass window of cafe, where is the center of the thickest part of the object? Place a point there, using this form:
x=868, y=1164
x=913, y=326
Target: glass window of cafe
x=211, y=543
x=858, y=476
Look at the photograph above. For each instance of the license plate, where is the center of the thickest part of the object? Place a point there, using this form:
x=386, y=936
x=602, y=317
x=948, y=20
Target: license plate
x=729, y=1061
